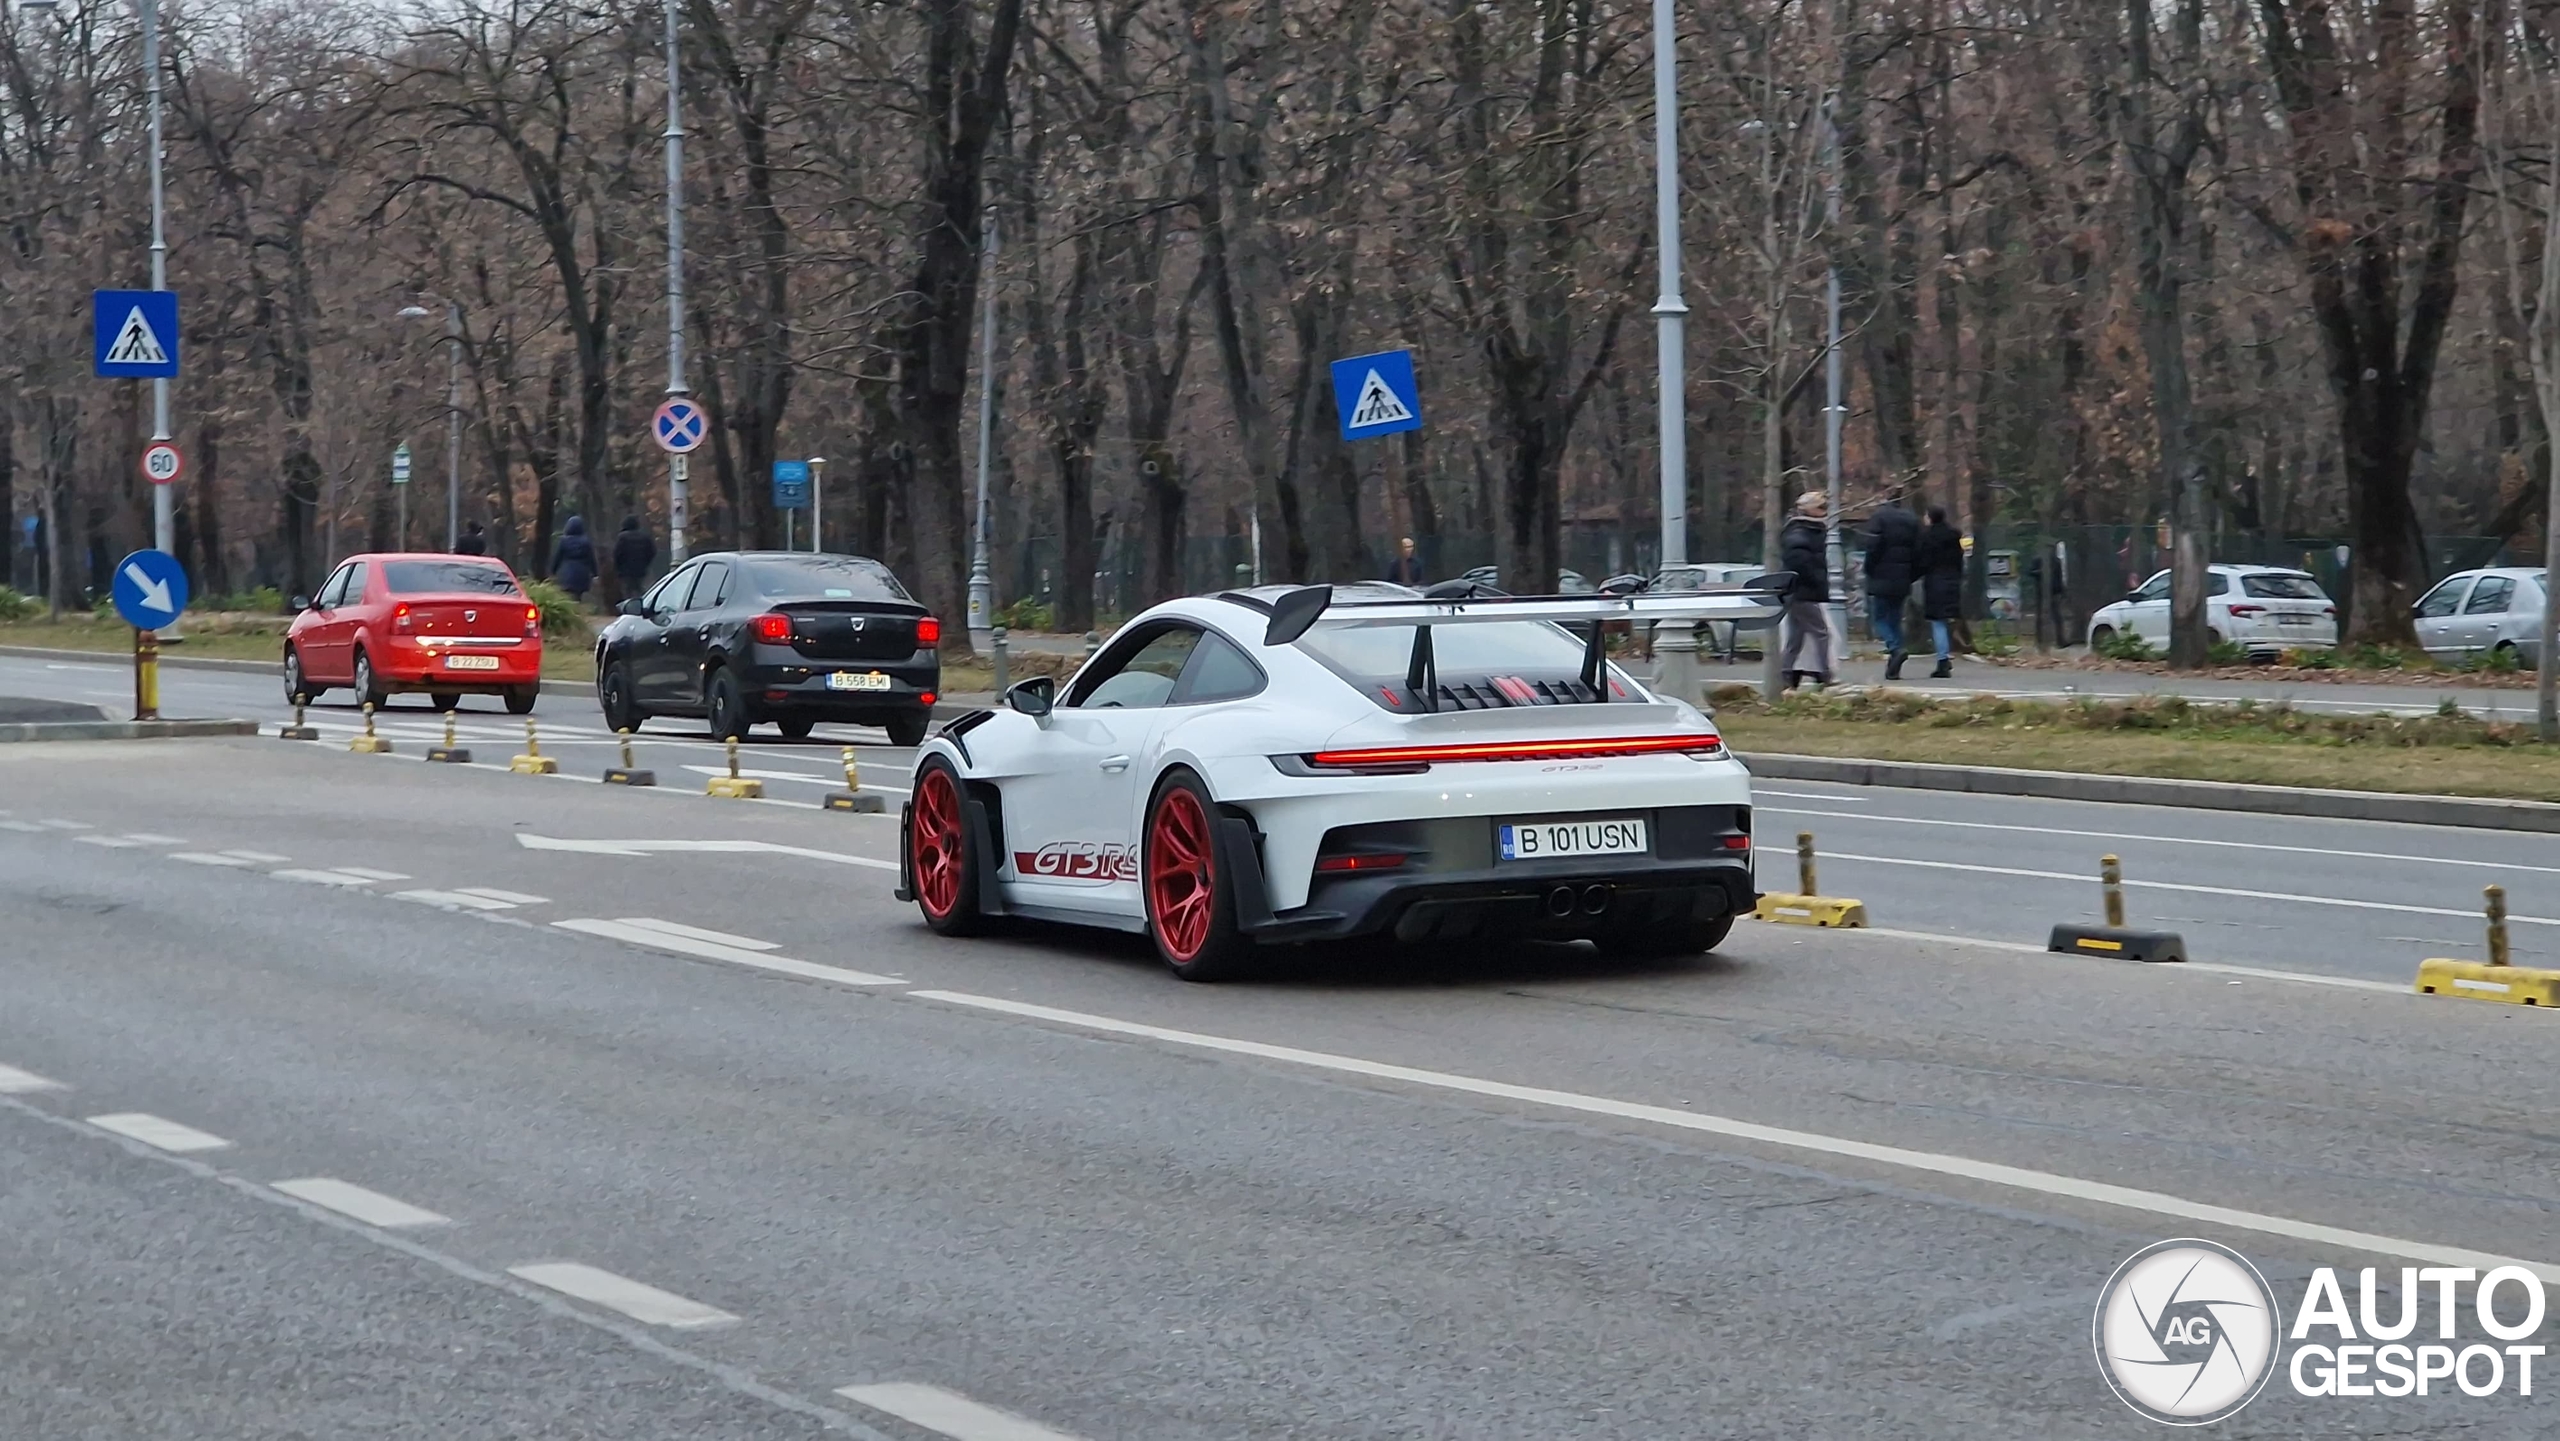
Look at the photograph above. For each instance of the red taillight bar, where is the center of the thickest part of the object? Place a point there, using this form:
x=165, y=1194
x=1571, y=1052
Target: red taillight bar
x=1693, y=743
x=773, y=626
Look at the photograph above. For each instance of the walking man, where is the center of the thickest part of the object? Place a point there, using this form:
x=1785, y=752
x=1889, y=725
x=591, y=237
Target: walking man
x=473, y=540
x=1893, y=560
x=1941, y=584
x=1800, y=554
x=1406, y=568
x=633, y=552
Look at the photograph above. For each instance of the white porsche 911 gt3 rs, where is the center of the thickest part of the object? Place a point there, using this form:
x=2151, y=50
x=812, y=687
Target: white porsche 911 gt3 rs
x=1289, y=764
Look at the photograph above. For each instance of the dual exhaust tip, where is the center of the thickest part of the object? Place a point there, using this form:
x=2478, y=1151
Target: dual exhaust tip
x=1565, y=900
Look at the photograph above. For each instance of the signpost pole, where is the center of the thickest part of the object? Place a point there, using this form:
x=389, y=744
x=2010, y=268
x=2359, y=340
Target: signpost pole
x=452, y=425
x=817, y=504
x=676, y=486
x=163, y=503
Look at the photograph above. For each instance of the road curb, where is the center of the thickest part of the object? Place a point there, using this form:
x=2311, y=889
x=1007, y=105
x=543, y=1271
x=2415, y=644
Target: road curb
x=2420, y=810
x=225, y=663
x=125, y=730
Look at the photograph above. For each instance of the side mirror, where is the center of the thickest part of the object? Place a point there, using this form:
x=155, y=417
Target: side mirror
x=1034, y=697
x=297, y=605
x=631, y=606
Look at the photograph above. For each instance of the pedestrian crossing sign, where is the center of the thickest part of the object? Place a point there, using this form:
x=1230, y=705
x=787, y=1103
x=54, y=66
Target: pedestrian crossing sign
x=137, y=333
x=1376, y=394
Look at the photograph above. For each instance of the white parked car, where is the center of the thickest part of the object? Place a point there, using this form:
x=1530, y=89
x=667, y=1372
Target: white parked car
x=2479, y=612
x=1306, y=763
x=2263, y=609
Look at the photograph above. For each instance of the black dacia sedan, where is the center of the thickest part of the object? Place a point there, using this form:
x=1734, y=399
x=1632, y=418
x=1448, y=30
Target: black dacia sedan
x=783, y=636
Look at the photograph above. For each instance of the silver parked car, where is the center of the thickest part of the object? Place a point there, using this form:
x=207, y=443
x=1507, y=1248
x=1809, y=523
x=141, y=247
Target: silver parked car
x=2476, y=613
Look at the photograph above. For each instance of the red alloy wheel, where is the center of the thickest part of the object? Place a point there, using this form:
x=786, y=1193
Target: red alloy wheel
x=936, y=842
x=1180, y=878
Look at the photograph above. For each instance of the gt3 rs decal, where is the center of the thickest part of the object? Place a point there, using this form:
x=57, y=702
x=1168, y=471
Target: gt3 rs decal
x=1078, y=861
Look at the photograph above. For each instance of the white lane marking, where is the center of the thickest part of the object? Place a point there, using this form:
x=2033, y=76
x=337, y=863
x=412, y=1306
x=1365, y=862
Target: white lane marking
x=948, y=1413
x=323, y=878
x=2393, y=856
x=145, y=838
x=642, y=848
x=643, y=935
x=70, y=825
x=453, y=900
x=2218, y=968
x=206, y=858
x=153, y=1130
x=363, y=873
x=643, y=1303
x=26, y=827
x=111, y=842
x=264, y=858
x=371, y=1207
x=513, y=898
x=2246, y=895
x=14, y=1082
x=2047, y=1183
x=697, y=933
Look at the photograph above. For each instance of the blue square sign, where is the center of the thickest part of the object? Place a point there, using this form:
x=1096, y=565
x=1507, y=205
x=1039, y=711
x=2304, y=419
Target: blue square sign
x=791, y=485
x=1376, y=394
x=137, y=333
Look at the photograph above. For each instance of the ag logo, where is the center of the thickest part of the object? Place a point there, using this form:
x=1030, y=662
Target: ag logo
x=2186, y=1332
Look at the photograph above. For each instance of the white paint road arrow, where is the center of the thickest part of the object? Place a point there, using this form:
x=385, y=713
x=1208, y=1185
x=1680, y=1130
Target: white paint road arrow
x=155, y=593
x=644, y=848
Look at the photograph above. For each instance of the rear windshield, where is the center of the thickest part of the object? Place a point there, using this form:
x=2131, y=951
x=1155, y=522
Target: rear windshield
x=444, y=577
x=1502, y=662
x=826, y=577
x=2281, y=587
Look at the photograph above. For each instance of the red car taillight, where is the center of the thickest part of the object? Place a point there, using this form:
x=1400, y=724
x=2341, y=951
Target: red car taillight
x=400, y=617
x=1693, y=743
x=533, y=620
x=1380, y=862
x=928, y=632
x=2248, y=610
x=773, y=626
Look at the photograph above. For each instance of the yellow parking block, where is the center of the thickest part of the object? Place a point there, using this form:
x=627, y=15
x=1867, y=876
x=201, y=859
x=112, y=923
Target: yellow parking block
x=1812, y=911
x=2476, y=981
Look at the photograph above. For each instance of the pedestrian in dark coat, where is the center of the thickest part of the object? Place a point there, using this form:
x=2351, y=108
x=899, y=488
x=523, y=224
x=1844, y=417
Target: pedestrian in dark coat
x=633, y=553
x=473, y=541
x=1893, y=561
x=1941, y=556
x=1802, y=553
x=573, y=561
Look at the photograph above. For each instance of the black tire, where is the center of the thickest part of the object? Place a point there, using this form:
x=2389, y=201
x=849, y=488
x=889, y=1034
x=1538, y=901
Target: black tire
x=908, y=730
x=724, y=706
x=1693, y=939
x=795, y=728
x=941, y=857
x=2101, y=636
x=614, y=697
x=447, y=700
x=1191, y=905
x=520, y=698
x=366, y=692
x=298, y=689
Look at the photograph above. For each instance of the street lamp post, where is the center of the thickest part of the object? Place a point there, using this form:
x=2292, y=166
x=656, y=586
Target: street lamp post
x=452, y=412
x=1675, y=647
x=981, y=582
x=817, y=504
x=676, y=486
x=1833, y=384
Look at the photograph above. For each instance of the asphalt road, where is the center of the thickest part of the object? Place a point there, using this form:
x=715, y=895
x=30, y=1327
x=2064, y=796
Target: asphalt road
x=665, y=1120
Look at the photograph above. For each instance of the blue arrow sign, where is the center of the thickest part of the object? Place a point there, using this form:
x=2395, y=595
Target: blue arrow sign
x=791, y=485
x=1376, y=394
x=137, y=333
x=680, y=426
x=150, y=589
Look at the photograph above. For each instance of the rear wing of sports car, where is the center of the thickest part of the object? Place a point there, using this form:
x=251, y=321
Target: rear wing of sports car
x=1756, y=602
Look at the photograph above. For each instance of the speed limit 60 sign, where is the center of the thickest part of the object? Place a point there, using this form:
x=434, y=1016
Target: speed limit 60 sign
x=162, y=463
